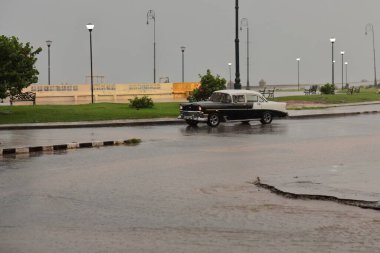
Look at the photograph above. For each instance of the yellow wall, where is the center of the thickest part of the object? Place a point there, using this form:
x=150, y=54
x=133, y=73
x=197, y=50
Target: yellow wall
x=112, y=93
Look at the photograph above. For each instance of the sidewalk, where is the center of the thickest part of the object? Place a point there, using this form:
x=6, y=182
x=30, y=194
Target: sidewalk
x=337, y=110
x=329, y=111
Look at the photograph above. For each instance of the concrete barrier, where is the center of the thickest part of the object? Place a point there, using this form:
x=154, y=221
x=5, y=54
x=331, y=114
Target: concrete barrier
x=59, y=147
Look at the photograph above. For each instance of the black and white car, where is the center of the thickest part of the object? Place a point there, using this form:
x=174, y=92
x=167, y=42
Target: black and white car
x=232, y=105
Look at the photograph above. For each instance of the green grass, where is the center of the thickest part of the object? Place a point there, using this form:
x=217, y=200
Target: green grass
x=72, y=113
x=365, y=95
x=105, y=111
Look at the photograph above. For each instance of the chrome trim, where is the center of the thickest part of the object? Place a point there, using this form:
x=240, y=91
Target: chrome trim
x=193, y=115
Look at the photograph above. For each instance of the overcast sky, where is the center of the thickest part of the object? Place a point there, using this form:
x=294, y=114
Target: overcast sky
x=281, y=31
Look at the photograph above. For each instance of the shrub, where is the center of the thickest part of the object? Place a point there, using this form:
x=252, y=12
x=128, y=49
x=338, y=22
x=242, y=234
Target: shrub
x=132, y=141
x=209, y=84
x=328, y=89
x=140, y=103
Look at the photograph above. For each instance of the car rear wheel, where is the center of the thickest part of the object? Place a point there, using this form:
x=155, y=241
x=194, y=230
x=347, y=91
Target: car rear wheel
x=266, y=118
x=213, y=120
x=192, y=122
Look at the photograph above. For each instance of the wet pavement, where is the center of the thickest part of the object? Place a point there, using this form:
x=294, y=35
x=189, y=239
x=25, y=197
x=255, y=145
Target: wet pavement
x=189, y=189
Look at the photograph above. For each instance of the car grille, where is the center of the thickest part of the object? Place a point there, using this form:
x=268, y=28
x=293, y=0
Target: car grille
x=191, y=108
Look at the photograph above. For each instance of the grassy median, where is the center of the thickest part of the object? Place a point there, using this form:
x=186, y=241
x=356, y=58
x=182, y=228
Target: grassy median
x=365, y=95
x=89, y=112
x=107, y=111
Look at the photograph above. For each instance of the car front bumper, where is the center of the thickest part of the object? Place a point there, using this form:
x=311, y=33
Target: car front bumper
x=193, y=115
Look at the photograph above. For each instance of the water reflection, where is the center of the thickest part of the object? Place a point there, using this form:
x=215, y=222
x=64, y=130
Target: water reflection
x=234, y=129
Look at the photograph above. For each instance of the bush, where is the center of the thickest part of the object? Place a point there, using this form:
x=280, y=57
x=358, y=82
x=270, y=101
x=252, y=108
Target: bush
x=140, y=103
x=132, y=141
x=209, y=84
x=328, y=89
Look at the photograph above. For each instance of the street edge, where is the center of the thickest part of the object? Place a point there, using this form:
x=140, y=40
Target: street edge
x=60, y=147
x=155, y=122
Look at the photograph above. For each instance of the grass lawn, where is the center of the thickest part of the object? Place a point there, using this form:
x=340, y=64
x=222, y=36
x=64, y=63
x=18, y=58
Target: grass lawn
x=106, y=111
x=88, y=112
x=365, y=95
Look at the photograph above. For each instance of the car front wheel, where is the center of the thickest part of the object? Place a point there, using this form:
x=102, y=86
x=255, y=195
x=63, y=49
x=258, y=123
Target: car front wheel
x=266, y=118
x=213, y=120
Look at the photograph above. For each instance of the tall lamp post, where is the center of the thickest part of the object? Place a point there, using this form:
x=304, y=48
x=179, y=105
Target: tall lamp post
x=244, y=23
x=229, y=67
x=183, y=63
x=369, y=27
x=298, y=72
x=90, y=27
x=342, y=53
x=346, y=63
x=151, y=15
x=332, y=40
x=237, y=84
x=48, y=43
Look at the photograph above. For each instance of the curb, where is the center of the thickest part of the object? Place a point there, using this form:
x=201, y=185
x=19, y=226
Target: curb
x=89, y=124
x=330, y=115
x=60, y=147
x=153, y=122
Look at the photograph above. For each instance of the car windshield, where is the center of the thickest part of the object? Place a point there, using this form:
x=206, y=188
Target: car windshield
x=221, y=97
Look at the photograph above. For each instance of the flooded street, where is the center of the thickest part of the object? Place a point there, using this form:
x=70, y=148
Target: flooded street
x=190, y=189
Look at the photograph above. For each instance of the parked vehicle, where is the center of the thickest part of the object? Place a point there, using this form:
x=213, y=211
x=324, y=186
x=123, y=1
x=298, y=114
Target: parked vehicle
x=232, y=105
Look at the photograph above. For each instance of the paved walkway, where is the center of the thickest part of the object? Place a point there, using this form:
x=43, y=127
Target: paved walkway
x=331, y=111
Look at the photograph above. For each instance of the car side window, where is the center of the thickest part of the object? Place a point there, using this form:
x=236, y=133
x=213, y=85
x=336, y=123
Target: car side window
x=226, y=98
x=238, y=98
x=252, y=98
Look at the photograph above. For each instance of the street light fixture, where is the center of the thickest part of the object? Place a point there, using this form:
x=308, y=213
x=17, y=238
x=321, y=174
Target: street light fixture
x=298, y=71
x=346, y=63
x=90, y=27
x=151, y=15
x=237, y=84
x=229, y=66
x=48, y=43
x=244, y=23
x=369, y=27
x=183, y=63
x=332, y=40
x=342, y=53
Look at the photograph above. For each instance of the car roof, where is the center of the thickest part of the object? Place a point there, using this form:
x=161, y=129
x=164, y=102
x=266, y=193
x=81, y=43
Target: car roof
x=239, y=92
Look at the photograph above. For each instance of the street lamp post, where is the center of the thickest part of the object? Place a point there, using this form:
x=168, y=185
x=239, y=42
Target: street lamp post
x=244, y=23
x=151, y=15
x=183, y=63
x=342, y=53
x=298, y=72
x=237, y=85
x=48, y=43
x=332, y=40
x=90, y=27
x=369, y=27
x=346, y=63
x=229, y=66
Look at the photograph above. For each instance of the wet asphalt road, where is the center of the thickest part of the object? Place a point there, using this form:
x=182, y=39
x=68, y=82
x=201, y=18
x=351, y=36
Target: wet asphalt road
x=187, y=189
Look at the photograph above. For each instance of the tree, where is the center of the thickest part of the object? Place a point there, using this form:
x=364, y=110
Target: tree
x=17, y=70
x=209, y=84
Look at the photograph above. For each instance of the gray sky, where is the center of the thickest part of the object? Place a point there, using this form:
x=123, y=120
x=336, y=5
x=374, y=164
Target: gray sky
x=281, y=31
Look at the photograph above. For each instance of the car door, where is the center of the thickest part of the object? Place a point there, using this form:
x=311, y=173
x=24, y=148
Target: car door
x=255, y=103
x=239, y=107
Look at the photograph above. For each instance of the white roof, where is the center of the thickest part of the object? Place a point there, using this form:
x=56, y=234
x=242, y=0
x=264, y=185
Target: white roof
x=239, y=92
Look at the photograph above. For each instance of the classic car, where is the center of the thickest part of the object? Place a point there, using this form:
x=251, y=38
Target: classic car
x=232, y=105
